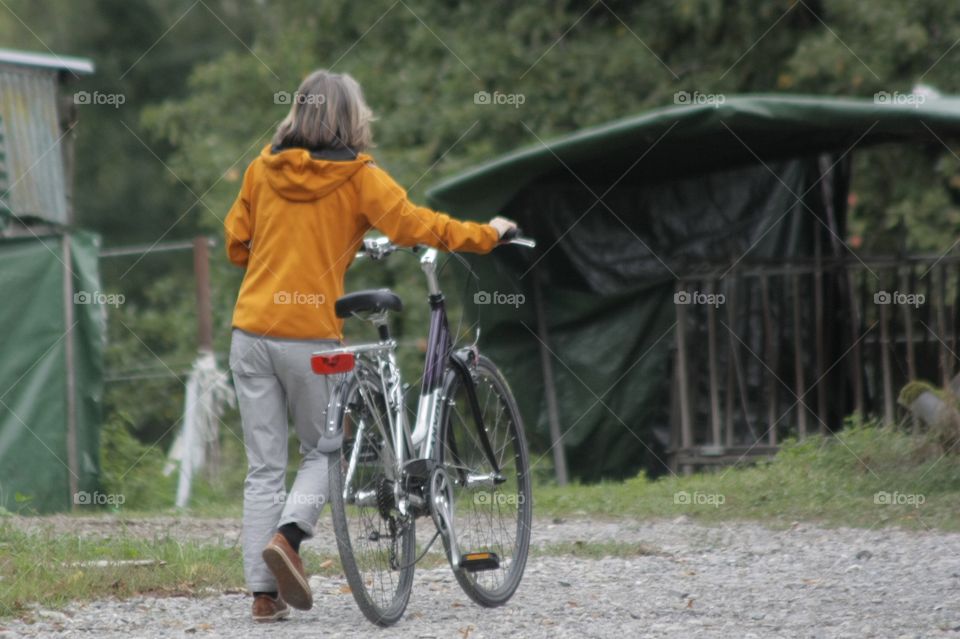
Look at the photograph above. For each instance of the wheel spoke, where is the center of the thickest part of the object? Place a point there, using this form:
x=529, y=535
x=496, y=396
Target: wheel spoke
x=488, y=517
x=368, y=543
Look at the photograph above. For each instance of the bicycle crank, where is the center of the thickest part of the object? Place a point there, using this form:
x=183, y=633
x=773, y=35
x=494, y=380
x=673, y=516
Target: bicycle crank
x=440, y=499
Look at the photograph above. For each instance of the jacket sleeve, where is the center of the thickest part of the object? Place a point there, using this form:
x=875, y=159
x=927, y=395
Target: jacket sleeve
x=384, y=204
x=238, y=225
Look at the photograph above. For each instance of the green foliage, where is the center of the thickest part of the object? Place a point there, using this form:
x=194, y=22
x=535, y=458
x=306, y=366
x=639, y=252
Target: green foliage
x=133, y=469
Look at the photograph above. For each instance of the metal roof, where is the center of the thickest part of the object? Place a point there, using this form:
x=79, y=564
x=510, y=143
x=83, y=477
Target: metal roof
x=47, y=61
x=684, y=140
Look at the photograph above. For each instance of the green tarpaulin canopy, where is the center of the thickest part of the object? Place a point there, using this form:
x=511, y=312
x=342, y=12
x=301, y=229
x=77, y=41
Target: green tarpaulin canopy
x=621, y=210
x=684, y=140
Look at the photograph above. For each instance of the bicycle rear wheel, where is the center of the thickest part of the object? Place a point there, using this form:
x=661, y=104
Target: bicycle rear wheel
x=489, y=515
x=375, y=542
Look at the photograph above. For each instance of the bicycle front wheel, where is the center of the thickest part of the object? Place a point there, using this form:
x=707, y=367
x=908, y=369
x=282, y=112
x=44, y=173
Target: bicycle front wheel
x=376, y=543
x=492, y=511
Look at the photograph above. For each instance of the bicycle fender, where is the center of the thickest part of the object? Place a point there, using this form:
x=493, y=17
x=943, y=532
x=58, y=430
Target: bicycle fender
x=461, y=362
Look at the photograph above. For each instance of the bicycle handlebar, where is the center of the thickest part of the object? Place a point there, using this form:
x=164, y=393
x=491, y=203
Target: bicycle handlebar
x=514, y=236
x=379, y=247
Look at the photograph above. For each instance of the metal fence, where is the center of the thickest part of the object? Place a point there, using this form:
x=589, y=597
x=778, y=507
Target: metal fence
x=769, y=350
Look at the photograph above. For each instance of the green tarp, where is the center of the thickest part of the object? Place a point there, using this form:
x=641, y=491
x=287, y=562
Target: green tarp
x=689, y=140
x=620, y=210
x=35, y=472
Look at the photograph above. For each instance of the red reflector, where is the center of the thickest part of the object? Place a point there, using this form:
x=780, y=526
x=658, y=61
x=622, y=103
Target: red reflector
x=330, y=364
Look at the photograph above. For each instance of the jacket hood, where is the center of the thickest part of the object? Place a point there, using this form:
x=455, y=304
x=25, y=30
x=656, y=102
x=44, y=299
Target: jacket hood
x=297, y=174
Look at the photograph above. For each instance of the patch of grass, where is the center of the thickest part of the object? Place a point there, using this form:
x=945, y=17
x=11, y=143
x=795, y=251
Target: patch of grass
x=51, y=570
x=864, y=476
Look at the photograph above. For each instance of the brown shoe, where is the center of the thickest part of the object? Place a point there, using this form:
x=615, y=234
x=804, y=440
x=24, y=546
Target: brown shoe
x=285, y=564
x=266, y=608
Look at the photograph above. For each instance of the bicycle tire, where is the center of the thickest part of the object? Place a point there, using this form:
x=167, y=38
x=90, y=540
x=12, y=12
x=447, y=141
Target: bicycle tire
x=382, y=610
x=475, y=584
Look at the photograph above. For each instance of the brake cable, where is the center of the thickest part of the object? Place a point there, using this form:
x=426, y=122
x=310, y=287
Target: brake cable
x=425, y=550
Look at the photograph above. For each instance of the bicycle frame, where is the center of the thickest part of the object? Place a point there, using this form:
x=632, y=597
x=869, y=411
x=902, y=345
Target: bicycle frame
x=397, y=434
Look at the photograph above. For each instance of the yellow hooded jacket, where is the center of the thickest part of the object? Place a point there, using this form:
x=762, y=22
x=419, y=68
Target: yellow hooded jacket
x=296, y=225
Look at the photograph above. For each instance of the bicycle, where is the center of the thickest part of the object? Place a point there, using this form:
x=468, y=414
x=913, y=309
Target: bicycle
x=465, y=463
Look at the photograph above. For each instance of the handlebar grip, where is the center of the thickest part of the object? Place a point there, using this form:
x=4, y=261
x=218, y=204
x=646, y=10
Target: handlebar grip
x=511, y=234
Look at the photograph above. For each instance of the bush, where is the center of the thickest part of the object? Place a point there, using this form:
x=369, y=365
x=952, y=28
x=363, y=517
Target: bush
x=133, y=469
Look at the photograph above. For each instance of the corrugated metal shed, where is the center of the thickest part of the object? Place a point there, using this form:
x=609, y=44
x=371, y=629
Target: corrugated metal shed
x=32, y=133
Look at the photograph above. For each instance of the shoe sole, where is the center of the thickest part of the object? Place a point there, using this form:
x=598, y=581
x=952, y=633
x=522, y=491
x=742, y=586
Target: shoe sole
x=277, y=616
x=293, y=588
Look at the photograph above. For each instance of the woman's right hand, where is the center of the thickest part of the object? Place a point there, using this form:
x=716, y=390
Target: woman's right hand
x=502, y=225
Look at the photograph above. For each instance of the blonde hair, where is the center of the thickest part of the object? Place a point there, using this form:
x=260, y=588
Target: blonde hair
x=328, y=111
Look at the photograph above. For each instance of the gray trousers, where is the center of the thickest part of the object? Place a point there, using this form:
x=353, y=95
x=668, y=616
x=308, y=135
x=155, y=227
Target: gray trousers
x=273, y=379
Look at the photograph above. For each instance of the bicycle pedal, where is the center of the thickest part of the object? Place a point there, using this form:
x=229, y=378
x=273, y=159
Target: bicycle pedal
x=477, y=561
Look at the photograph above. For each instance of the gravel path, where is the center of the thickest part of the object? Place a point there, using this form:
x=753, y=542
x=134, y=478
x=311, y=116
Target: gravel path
x=727, y=580
x=226, y=531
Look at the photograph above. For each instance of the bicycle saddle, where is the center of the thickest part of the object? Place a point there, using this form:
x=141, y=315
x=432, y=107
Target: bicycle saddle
x=375, y=300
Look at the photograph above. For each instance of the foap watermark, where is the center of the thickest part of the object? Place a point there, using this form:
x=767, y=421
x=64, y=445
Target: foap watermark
x=915, y=300
x=498, y=98
x=699, y=298
x=99, y=298
x=496, y=297
x=299, y=499
x=484, y=498
x=697, y=498
x=285, y=97
x=686, y=98
x=901, y=99
x=96, y=498
x=883, y=498
x=298, y=298
x=97, y=98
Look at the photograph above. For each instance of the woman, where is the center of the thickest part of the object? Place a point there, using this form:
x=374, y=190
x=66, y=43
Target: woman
x=301, y=214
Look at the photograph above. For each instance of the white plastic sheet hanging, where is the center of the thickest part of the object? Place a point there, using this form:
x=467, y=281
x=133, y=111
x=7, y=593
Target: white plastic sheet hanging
x=207, y=397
